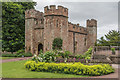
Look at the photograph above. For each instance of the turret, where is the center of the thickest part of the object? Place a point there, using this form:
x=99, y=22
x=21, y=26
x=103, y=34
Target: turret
x=33, y=20
x=92, y=32
x=60, y=10
x=91, y=23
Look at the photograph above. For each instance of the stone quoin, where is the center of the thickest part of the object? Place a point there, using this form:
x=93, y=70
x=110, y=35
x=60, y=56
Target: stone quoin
x=42, y=28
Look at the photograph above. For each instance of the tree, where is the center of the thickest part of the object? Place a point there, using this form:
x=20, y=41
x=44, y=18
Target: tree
x=13, y=25
x=57, y=43
x=111, y=39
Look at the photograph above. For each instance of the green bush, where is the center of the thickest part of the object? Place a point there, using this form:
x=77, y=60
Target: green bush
x=17, y=55
x=9, y=55
x=25, y=54
x=57, y=43
x=86, y=55
x=70, y=68
x=81, y=56
x=49, y=56
x=113, y=50
x=20, y=52
x=28, y=54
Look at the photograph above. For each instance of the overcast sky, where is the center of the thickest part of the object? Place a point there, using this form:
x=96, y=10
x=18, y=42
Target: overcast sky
x=106, y=13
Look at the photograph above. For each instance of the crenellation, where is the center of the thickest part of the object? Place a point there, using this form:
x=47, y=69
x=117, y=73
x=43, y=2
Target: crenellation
x=52, y=7
x=77, y=28
x=59, y=11
x=32, y=13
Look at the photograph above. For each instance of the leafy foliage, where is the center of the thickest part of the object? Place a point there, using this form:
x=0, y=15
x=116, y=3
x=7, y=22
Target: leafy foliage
x=17, y=55
x=20, y=52
x=49, y=56
x=13, y=25
x=86, y=55
x=57, y=43
x=111, y=39
x=81, y=56
x=70, y=68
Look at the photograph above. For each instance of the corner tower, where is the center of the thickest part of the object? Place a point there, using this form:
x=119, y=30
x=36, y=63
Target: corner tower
x=92, y=32
x=55, y=25
x=33, y=30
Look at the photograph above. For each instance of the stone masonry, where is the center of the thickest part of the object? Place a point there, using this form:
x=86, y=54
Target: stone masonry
x=42, y=28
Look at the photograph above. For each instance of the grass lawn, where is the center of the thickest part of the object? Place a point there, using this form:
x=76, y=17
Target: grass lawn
x=17, y=70
x=3, y=58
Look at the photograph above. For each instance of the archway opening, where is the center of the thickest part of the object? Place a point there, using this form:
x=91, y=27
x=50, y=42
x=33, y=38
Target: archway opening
x=40, y=47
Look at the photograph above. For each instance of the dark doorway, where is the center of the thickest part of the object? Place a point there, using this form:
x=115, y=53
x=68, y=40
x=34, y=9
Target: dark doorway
x=40, y=47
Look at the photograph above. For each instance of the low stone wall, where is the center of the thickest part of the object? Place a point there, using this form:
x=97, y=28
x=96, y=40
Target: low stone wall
x=115, y=59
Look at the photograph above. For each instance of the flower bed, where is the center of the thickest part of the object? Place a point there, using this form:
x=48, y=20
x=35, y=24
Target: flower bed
x=70, y=68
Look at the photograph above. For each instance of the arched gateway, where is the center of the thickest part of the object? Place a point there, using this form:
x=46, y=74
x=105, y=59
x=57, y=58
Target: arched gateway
x=40, y=47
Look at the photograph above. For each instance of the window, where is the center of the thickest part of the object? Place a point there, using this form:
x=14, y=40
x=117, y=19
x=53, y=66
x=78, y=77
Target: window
x=41, y=21
x=48, y=45
x=57, y=23
x=73, y=26
x=75, y=45
x=36, y=21
x=85, y=41
x=29, y=48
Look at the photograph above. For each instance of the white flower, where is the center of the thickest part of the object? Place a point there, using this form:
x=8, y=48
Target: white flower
x=50, y=57
x=35, y=55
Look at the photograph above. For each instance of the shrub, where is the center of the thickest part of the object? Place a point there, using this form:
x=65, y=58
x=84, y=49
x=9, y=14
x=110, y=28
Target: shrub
x=113, y=50
x=25, y=54
x=79, y=56
x=49, y=56
x=9, y=55
x=86, y=55
x=28, y=54
x=70, y=68
x=20, y=52
x=17, y=55
x=57, y=43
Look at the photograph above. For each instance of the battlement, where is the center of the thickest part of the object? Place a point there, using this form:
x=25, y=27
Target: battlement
x=76, y=28
x=32, y=13
x=92, y=23
x=52, y=10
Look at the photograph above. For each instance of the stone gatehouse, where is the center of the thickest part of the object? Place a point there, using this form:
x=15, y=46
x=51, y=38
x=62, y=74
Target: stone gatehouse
x=42, y=28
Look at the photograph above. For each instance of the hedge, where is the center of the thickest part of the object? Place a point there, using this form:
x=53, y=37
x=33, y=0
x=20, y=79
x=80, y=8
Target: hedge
x=70, y=68
x=17, y=55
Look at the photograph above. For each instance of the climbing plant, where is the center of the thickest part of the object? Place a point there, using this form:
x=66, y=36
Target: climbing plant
x=57, y=44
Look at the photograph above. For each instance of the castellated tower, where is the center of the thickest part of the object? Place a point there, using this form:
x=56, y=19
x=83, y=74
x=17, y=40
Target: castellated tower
x=55, y=26
x=34, y=25
x=92, y=32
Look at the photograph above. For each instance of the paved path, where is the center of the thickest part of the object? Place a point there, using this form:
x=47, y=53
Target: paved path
x=14, y=59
